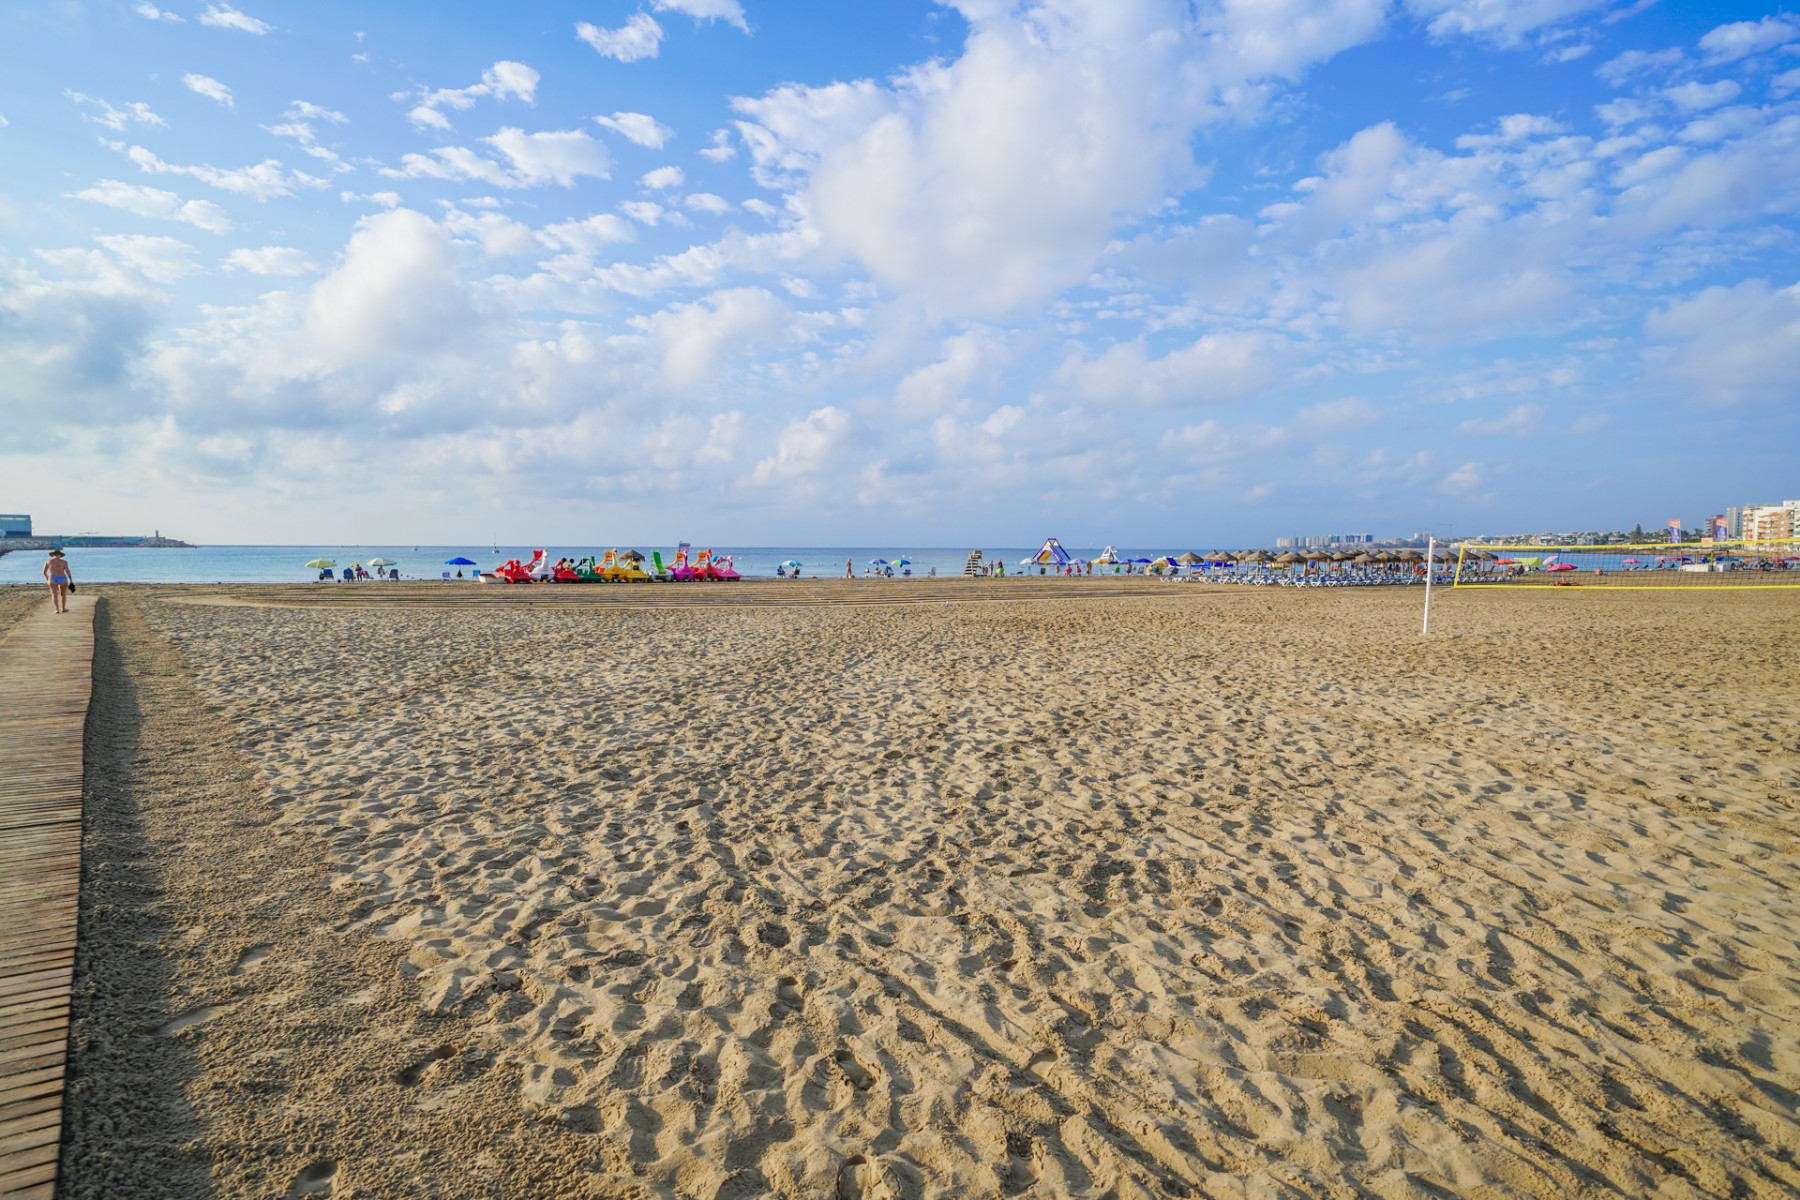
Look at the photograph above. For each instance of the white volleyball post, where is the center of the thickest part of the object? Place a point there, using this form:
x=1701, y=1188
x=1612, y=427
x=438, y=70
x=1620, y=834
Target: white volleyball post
x=1430, y=570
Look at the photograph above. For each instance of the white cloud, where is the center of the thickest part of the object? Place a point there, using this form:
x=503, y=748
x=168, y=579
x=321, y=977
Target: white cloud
x=663, y=177
x=641, y=128
x=1729, y=345
x=160, y=259
x=396, y=293
x=1503, y=22
x=1623, y=67
x=505, y=80
x=729, y=11
x=498, y=235
x=154, y=202
x=223, y=16
x=940, y=386
x=533, y=160
x=262, y=182
x=694, y=338
x=984, y=184
x=721, y=148
x=639, y=38
x=587, y=236
x=1693, y=97
x=303, y=110
x=269, y=260
x=806, y=447
x=1728, y=43
x=1519, y=420
x=644, y=212
x=1462, y=480
x=385, y=199
x=212, y=89
x=555, y=156
x=706, y=202
x=1216, y=368
x=73, y=338
x=152, y=13
x=134, y=113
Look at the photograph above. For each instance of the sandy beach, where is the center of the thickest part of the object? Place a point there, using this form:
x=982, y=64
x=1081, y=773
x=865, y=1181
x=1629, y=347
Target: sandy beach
x=1142, y=891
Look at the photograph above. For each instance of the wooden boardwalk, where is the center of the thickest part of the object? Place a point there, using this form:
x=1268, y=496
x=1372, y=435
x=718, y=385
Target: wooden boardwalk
x=46, y=678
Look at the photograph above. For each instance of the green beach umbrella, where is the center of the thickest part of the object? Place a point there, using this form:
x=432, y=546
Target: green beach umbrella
x=319, y=564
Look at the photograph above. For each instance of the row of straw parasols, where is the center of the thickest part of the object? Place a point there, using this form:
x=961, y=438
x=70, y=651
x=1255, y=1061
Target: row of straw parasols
x=1354, y=558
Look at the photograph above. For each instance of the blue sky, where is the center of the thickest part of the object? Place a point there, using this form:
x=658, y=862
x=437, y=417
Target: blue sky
x=927, y=273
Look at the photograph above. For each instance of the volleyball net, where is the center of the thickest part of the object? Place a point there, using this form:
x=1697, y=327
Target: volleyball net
x=1720, y=564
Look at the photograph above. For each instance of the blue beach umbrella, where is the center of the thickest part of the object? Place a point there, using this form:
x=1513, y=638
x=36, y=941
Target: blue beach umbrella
x=459, y=561
x=793, y=562
x=878, y=562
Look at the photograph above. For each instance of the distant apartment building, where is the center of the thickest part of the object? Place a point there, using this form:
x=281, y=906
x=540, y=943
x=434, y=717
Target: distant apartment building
x=1772, y=522
x=1321, y=541
x=15, y=525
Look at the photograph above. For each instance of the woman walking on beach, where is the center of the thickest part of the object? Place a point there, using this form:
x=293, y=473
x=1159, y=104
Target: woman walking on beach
x=57, y=572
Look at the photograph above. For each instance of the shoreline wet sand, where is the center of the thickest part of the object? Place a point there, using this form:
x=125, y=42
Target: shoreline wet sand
x=1180, y=890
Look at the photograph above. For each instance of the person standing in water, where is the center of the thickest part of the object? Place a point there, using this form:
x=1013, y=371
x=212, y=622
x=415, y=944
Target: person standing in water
x=849, y=569
x=60, y=576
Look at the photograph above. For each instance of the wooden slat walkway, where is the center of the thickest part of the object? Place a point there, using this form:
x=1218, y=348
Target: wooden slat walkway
x=46, y=678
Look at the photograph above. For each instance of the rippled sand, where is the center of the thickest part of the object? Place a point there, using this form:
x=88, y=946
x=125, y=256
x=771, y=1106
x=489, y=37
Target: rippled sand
x=1200, y=892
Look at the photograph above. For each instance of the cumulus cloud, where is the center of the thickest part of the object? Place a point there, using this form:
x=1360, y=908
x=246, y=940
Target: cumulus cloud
x=269, y=260
x=304, y=110
x=159, y=259
x=729, y=11
x=1729, y=345
x=134, y=113
x=396, y=292
x=223, y=16
x=806, y=447
x=706, y=202
x=1740, y=39
x=209, y=87
x=989, y=182
x=1503, y=22
x=558, y=156
x=641, y=128
x=261, y=182
x=154, y=202
x=695, y=337
x=152, y=13
x=1463, y=480
x=505, y=80
x=1519, y=420
x=639, y=38
x=940, y=386
x=663, y=178
x=720, y=148
x=1692, y=96
x=1221, y=367
x=74, y=336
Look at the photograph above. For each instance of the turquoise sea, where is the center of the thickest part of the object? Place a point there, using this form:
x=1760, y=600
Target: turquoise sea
x=286, y=564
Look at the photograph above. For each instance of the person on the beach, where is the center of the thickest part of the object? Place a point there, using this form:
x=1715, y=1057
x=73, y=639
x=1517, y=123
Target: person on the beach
x=59, y=575
x=849, y=569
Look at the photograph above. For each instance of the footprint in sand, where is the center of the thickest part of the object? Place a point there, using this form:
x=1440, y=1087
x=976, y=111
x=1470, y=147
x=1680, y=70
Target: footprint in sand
x=853, y=1178
x=191, y=1018
x=318, y=1179
x=251, y=959
x=787, y=990
x=410, y=1076
x=860, y=1077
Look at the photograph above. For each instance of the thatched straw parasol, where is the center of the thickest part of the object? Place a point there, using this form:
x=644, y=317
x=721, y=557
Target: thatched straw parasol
x=1362, y=560
x=1189, y=559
